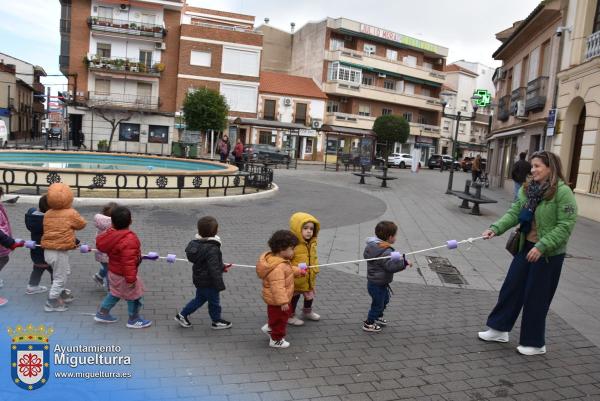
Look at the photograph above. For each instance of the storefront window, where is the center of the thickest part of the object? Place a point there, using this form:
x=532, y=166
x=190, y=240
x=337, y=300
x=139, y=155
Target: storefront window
x=158, y=134
x=129, y=132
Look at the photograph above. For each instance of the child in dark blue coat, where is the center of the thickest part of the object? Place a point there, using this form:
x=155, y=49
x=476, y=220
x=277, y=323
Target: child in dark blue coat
x=34, y=221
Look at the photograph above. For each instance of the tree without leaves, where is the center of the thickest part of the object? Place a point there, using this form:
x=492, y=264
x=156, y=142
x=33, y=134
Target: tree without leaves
x=205, y=109
x=112, y=118
x=390, y=129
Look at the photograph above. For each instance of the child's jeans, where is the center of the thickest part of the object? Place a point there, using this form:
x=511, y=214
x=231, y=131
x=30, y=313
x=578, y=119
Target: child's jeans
x=3, y=261
x=103, y=272
x=277, y=321
x=59, y=261
x=380, y=297
x=133, y=307
x=203, y=295
x=36, y=274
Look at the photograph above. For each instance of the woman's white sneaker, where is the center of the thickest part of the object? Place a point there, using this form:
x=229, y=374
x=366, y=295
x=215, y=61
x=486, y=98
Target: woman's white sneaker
x=531, y=350
x=35, y=289
x=494, y=335
x=294, y=321
x=311, y=316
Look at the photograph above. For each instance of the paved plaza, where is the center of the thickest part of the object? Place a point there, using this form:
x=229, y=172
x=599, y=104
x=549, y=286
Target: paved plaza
x=429, y=351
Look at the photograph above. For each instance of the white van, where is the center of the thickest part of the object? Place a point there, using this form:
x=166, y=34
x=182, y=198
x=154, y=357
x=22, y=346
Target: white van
x=3, y=133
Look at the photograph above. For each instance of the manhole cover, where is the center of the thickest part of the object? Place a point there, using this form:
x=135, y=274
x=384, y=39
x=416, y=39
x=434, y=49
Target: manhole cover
x=445, y=271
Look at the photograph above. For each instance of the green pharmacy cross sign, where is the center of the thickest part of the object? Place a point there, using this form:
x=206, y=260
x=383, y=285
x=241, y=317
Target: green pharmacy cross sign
x=482, y=97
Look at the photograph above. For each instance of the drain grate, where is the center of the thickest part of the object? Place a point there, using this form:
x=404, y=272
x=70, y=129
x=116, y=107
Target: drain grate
x=445, y=271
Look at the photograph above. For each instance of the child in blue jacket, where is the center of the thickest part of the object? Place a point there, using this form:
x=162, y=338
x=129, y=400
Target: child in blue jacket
x=34, y=221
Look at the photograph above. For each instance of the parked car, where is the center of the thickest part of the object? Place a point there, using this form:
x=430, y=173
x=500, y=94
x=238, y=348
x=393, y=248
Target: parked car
x=55, y=133
x=3, y=133
x=400, y=160
x=436, y=161
x=264, y=152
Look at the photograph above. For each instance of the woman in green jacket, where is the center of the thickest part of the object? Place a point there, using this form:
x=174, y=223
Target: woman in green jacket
x=546, y=212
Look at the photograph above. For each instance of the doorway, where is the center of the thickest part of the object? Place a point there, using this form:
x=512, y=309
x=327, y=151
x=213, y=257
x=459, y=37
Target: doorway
x=576, y=153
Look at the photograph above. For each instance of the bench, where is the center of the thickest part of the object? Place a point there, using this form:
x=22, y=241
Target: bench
x=384, y=178
x=362, y=174
x=475, y=198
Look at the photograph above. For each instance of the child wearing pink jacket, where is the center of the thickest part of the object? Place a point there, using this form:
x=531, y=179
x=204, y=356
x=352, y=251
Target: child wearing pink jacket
x=102, y=221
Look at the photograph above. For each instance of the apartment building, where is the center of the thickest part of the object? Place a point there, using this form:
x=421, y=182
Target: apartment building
x=121, y=61
x=525, y=88
x=462, y=83
x=290, y=111
x=220, y=51
x=366, y=72
x=21, y=97
x=577, y=140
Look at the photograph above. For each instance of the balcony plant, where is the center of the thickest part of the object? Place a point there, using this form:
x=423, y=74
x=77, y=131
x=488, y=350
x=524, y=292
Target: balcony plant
x=160, y=67
x=119, y=63
x=103, y=145
x=133, y=25
x=142, y=67
x=86, y=61
x=94, y=20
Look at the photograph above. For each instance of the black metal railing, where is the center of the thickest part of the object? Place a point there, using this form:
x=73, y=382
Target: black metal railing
x=126, y=27
x=537, y=91
x=517, y=96
x=101, y=183
x=595, y=185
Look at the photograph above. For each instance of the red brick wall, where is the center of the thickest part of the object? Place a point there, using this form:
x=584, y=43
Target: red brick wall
x=79, y=45
x=170, y=58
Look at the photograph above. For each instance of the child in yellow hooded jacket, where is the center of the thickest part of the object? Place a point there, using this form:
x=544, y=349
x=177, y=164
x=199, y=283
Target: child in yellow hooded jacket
x=306, y=228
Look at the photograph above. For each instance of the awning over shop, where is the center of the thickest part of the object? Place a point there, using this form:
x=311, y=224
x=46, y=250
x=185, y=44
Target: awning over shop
x=473, y=146
x=255, y=122
x=336, y=129
x=513, y=132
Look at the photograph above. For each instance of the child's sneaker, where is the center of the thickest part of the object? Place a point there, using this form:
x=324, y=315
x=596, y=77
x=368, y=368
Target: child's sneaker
x=279, y=344
x=98, y=280
x=138, y=323
x=381, y=321
x=371, y=327
x=66, y=296
x=266, y=329
x=311, y=316
x=3, y=301
x=55, y=305
x=183, y=320
x=35, y=289
x=221, y=324
x=105, y=318
x=294, y=321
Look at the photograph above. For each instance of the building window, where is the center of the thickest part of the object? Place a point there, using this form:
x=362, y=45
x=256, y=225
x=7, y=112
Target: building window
x=336, y=44
x=407, y=116
x=144, y=93
x=367, y=80
x=597, y=18
x=102, y=86
x=333, y=107
x=364, y=110
x=461, y=128
x=269, y=109
x=148, y=20
x=422, y=119
x=308, y=149
x=158, y=134
x=545, y=67
x=105, y=14
x=129, y=132
x=388, y=84
x=409, y=88
x=369, y=49
x=266, y=137
x=391, y=54
x=426, y=92
x=240, y=62
x=446, y=125
x=300, y=115
x=464, y=104
x=410, y=61
x=428, y=66
x=386, y=112
x=103, y=50
x=240, y=97
x=200, y=59
x=146, y=58
x=344, y=73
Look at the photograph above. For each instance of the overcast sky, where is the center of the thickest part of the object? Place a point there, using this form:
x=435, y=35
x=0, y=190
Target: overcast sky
x=29, y=29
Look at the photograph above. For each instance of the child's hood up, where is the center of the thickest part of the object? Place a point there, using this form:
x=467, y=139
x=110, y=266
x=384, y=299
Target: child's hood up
x=267, y=262
x=60, y=196
x=299, y=219
x=375, y=247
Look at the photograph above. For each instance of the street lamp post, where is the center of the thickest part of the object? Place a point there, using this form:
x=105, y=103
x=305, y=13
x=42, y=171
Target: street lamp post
x=458, y=117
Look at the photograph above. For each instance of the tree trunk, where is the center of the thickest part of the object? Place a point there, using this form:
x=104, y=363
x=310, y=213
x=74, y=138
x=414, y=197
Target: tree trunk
x=112, y=134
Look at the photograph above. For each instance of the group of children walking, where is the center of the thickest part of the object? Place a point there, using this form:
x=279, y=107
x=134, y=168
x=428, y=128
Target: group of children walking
x=288, y=270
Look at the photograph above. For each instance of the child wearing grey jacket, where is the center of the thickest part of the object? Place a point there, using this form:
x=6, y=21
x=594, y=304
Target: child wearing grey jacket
x=380, y=273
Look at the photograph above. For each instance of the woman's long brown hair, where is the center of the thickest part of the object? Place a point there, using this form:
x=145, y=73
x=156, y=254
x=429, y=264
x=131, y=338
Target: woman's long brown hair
x=552, y=161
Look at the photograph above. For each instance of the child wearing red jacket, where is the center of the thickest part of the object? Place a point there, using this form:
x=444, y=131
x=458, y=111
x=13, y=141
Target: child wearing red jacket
x=124, y=256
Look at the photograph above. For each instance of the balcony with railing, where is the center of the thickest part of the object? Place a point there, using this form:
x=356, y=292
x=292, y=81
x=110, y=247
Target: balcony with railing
x=516, y=96
x=349, y=120
x=123, y=65
x=126, y=27
x=593, y=46
x=38, y=88
x=122, y=101
x=504, y=108
x=385, y=64
x=537, y=91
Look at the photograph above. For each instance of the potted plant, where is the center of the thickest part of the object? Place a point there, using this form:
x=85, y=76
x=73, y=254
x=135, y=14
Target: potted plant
x=133, y=25
x=160, y=67
x=118, y=63
x=86, y=61
x=142, y=67
x=103, y=145
x=94, y=20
